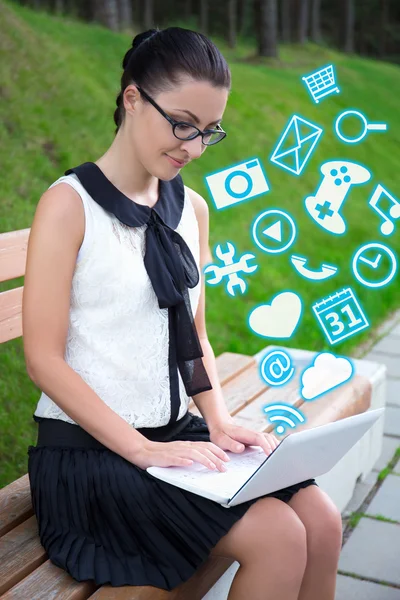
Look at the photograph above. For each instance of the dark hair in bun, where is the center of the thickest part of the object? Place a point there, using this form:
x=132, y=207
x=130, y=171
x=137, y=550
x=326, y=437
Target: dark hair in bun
x=141, y=37
x=159, y=59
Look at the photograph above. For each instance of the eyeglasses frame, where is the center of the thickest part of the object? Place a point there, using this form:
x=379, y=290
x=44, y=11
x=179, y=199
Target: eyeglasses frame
x=173, y=122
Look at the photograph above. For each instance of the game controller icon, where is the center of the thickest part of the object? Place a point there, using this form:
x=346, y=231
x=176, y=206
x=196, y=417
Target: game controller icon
x=339, y=176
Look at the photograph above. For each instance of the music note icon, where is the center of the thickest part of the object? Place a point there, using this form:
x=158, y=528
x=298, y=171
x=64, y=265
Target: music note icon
x=387, y=227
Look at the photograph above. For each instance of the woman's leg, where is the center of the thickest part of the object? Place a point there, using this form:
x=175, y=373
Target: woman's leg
x=323, y=523
x=269, y=542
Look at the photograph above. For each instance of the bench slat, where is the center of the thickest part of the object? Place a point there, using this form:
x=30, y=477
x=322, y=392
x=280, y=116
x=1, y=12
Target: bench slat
x=11, y=314
x=13, y=252
x=195, y=589
x=349, y=399
x=241, y=390
x=252, y=415
x=346, y=400
x=50, y=582
x=231, y=365
x=20, y=553
x=15, y=504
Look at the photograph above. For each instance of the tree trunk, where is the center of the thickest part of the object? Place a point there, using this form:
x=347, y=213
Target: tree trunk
x=348, y=28
x=384, y=6
x=125, y=14
x=232, y=8
x=106, y=13
x=203, y=18
x=268, y=42
x=241, y=16
x=286, y=20
x=188, y=9
x=148, y=15
x=303, y=20
x=316, y=21
x=362, y=36
x=59, y=7
x=257, y=19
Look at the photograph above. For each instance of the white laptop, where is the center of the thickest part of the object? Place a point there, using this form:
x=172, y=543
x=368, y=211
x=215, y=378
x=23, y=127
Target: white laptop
x=300, y=455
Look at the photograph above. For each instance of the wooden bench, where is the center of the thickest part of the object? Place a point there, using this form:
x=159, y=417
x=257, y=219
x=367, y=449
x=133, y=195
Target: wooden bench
x=25, y=570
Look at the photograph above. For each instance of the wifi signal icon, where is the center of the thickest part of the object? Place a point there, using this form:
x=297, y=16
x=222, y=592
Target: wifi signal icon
x=283, y=408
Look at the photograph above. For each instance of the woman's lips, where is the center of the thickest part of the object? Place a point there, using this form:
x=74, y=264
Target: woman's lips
x=176, y=163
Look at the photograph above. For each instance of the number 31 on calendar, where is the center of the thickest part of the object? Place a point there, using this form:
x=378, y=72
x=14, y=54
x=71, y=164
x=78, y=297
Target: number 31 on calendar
x=340, y=315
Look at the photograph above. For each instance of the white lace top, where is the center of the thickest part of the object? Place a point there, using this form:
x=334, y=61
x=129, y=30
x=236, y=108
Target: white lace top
x=118, y=336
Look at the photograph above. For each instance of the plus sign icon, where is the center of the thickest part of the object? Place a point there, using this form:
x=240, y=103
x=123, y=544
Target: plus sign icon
x=324, y=210
x=337, y=178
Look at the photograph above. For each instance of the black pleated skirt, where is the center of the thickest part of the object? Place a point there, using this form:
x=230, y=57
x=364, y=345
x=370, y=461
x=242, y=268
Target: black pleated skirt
x=105, y=519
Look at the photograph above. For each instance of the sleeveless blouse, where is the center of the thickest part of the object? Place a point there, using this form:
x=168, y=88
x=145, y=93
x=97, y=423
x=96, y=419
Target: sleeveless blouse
x=118, y=336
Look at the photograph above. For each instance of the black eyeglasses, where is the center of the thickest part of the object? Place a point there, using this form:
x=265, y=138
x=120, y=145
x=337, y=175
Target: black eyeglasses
x=187, y=131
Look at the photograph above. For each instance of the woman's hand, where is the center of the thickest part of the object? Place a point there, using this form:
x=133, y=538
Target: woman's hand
x=228, y=436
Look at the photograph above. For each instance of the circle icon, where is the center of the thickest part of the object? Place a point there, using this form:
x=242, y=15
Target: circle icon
x=235, y=175
x=277, y=227
x=365, y=127
x=337, y=175
x=373, y=263
x=276, y=368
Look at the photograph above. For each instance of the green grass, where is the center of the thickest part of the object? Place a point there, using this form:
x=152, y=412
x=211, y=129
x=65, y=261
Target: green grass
x=384, y=473
x=355, y=517
x=57, y=97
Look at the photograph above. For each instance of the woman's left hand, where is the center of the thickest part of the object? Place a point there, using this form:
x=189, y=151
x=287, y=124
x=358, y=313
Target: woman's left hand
x=235, y=438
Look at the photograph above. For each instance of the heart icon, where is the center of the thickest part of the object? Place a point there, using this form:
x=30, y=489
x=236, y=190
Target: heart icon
x=278, y=319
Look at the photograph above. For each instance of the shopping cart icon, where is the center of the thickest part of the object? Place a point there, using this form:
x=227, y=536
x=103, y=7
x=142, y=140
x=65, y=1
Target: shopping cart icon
x=321, y=83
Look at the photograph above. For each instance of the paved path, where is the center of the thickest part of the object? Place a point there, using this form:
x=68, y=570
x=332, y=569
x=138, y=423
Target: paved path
x=369, y=566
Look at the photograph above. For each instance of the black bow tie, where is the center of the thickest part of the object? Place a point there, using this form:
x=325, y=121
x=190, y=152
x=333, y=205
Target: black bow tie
x=169, y=263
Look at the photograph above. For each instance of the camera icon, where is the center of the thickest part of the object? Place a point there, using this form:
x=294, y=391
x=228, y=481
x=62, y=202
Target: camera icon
x=239, y=183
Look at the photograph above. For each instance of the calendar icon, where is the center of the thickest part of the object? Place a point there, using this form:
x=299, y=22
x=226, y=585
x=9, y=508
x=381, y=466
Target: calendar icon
x=340, y=315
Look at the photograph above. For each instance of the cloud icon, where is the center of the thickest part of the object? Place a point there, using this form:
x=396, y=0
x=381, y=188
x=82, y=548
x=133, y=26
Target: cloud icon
x=327, y=372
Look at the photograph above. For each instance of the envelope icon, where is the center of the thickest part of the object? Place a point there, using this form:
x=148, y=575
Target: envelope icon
x=296, y=145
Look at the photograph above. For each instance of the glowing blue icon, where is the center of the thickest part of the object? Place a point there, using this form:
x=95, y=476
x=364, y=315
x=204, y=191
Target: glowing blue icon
x=338, y=177
x=366, y=127
x=243, y=181
x=321, y=83
x=230, y=269
x=374, y=262
x=274, y=231
x=324, y=272
x=340, y=315
x=325, y=374
x=296, y=145
x=276, y=368
x=283, y=410
x=380, y=193
x=278, y=319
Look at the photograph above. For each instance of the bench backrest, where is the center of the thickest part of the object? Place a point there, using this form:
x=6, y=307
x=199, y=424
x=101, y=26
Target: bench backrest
x=13, y=251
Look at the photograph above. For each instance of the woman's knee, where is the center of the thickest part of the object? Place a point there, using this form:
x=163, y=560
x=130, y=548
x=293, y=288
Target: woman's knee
x=325, y=535
x=272, y=531
x=323, y=523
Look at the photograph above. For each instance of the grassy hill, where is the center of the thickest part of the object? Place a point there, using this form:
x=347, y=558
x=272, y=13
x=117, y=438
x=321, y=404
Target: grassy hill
x=58, y=86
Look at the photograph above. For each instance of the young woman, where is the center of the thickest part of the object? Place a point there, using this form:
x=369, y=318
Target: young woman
x=115, y=338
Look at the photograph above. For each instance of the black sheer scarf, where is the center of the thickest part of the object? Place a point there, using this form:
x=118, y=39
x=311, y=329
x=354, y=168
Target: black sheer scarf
x=169, y=263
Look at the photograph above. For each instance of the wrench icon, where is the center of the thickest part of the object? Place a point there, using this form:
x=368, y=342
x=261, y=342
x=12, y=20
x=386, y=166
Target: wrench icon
x=230, y=269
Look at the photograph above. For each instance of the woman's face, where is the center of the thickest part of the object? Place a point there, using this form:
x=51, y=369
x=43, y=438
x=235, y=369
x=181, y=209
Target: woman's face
x=152, y=134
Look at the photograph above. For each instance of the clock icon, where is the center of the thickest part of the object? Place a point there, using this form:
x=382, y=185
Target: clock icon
x=375, y=256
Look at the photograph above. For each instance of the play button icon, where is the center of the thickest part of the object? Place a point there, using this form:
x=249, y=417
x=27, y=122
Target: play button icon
x=274, y=231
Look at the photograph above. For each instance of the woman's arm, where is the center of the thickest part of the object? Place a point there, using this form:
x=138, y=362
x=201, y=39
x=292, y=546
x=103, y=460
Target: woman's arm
x=211, y=404
x=56, y=234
